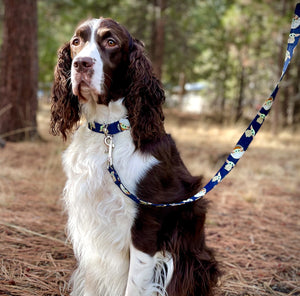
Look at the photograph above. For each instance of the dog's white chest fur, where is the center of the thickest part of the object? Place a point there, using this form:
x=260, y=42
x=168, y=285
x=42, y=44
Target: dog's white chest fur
x=100, y=215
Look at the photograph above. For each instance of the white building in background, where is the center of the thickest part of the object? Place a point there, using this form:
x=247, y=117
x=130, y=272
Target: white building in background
x=192, y=100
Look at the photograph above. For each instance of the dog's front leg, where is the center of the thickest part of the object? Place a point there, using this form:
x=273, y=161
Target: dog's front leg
x=141, y=271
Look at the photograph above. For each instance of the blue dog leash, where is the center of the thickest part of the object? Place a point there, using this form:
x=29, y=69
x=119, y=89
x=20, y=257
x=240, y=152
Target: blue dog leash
x=239, y=149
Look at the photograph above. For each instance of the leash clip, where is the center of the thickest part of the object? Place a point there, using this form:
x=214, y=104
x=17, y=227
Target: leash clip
x=108, y=141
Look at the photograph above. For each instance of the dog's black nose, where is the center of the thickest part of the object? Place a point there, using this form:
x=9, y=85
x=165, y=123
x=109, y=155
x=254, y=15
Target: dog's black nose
x=83, y=64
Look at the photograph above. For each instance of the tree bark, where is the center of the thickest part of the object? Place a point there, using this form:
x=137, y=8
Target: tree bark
x=19, y=71
x=181, y=83
x=223, y=87
x=239, y=106
x=158, y=40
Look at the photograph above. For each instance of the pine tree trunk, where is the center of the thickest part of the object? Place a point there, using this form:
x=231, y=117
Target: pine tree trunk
x=158, y=38
x=19, y=71
x=240, y=99
x=181, y=83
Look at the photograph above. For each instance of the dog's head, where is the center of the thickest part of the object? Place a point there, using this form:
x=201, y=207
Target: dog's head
x=100, y=56
x=102, y=62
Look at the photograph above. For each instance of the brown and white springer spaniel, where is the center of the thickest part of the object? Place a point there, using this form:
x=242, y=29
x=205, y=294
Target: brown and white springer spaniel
x=122, y=248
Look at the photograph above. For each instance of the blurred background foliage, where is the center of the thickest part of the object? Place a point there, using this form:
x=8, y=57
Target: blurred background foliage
x=236, y=46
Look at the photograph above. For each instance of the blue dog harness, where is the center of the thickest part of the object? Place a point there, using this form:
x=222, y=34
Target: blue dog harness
x=239, y=149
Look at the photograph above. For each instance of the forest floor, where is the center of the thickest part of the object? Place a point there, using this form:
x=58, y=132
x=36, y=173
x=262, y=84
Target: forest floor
x=253, y=222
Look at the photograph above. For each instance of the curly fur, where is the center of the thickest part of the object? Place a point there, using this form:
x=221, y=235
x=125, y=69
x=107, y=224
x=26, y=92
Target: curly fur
x=144, y=98
x=65, y=106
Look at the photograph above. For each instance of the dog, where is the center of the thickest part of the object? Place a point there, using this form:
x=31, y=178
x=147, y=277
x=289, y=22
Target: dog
x=103, y=78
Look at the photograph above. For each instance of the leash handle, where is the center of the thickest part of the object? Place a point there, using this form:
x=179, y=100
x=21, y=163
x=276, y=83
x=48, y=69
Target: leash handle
x=245, y=140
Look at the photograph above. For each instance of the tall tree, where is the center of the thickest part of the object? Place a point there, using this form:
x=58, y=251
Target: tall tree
x=19, y=71
x=158, y=36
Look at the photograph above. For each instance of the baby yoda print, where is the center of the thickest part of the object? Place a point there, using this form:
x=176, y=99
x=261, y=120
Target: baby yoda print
x=217, y=178
x=229, y=166
x=124, y=124
x=250, y=132
x=292, y=37
x=202, y=192
x=237, y=152
x=295, y=22
x=261, y=118
x=268, y=103
x=287, y=55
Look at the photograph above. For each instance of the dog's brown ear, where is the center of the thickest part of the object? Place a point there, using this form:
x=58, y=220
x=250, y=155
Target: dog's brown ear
x=65, y=111
x=145, y=97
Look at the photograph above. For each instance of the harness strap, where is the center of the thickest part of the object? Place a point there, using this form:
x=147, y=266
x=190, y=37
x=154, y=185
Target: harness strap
x=243, y=143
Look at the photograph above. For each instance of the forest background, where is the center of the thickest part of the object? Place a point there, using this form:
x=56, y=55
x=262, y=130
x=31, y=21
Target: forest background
x=235, y=47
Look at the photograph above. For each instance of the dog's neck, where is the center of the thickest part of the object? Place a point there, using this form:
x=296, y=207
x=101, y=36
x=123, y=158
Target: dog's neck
x=112, y=112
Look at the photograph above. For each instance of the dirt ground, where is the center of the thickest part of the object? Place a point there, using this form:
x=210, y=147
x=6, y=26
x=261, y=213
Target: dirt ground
x=253, y=222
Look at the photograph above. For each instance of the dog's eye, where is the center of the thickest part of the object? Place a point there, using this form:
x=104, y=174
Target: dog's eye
x=76, y=41
x=111, y=43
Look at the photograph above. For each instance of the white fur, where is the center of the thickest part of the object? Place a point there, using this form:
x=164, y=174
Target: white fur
x=148, y=275
x=100, y=215
x=90, y=50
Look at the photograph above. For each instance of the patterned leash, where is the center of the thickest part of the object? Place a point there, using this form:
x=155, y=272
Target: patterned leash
x=239, y=149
